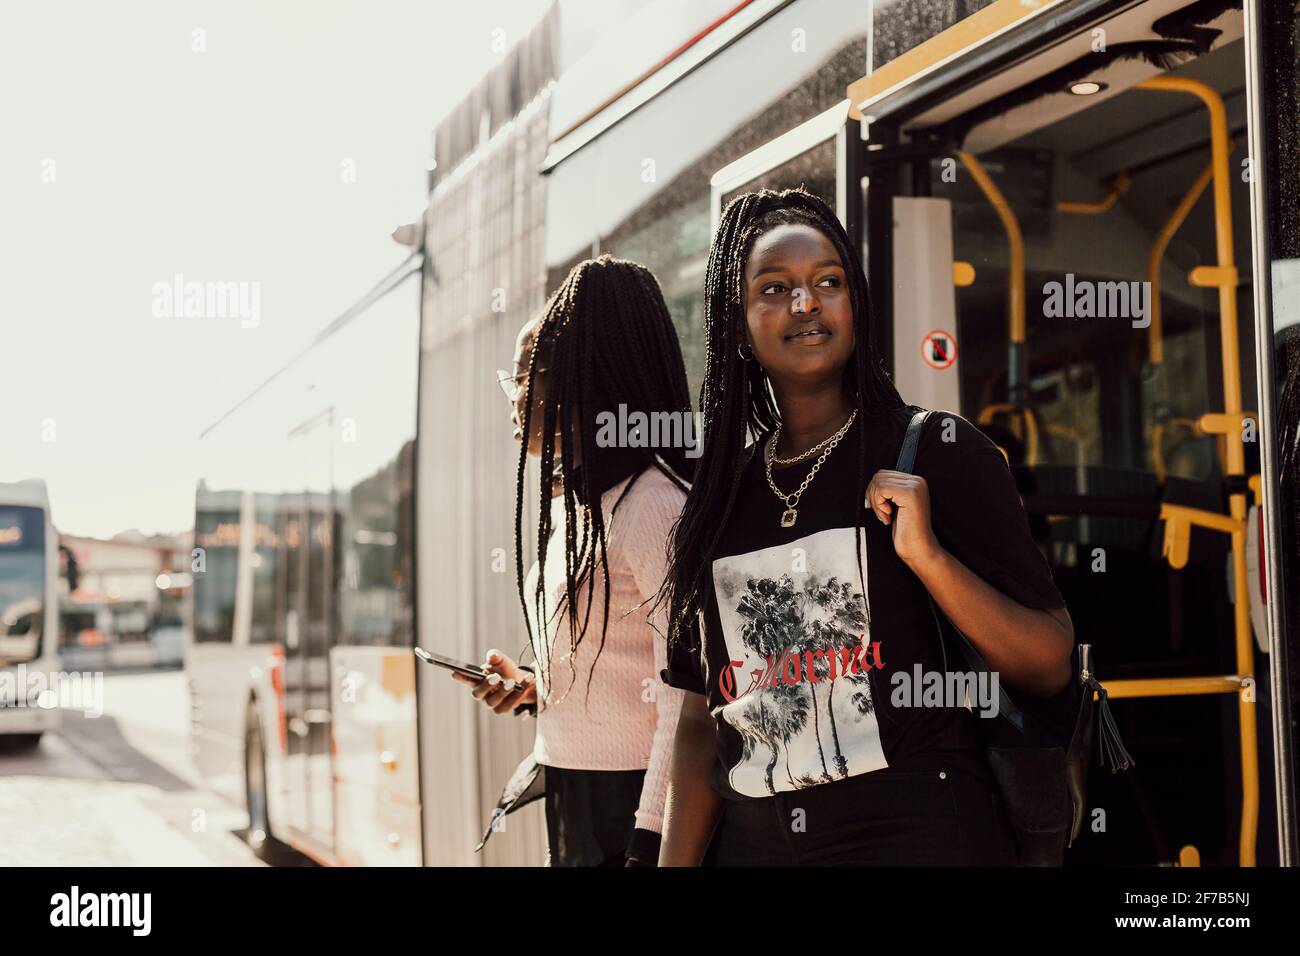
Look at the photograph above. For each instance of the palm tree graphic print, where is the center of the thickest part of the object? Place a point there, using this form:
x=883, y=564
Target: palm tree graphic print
x=796, y=624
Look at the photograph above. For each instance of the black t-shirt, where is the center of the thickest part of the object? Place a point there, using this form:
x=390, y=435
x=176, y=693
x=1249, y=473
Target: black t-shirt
x=797, y=669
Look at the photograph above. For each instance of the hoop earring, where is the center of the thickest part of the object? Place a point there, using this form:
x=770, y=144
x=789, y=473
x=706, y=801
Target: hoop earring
x=742, y=348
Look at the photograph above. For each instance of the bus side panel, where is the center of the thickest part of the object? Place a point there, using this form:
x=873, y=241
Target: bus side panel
x=467, y=470
x=223, y=678
x=376, y=775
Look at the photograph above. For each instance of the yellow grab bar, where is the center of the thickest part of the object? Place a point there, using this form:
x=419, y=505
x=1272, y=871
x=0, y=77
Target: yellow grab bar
x=1223, y=275
x=1155, y=335
x=1015, y=269
x=1171, y=686
x=1030, y=436
x=1118, y=187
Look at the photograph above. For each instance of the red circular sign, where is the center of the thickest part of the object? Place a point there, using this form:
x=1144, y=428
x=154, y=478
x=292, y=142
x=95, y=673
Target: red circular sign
x=939, y=349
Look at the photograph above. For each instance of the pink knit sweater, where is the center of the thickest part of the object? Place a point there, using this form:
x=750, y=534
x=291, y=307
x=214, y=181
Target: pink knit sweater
x=628, y=718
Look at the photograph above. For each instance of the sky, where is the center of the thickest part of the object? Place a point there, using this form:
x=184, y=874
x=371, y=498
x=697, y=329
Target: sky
x=274, y=143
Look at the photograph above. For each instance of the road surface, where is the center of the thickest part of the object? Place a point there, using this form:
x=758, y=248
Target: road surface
x=119, y=789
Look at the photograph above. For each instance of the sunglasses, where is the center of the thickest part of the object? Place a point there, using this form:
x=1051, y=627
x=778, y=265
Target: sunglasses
x=512, y=385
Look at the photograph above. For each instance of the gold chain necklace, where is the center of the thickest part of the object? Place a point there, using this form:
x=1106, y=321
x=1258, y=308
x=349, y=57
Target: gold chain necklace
x=805, y=455
x=791, y=513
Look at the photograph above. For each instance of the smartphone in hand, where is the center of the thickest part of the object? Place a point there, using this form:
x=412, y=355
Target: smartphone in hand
x=476, y=671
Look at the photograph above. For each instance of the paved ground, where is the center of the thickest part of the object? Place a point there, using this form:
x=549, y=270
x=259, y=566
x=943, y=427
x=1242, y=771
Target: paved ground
x=117, y=790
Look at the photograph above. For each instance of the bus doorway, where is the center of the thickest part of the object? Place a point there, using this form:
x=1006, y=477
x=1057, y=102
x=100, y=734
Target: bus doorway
x=1098, y=195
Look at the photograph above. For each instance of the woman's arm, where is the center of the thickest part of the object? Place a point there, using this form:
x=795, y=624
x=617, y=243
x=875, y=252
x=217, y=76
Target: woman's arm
x=1029, y=648
x=641, y=529
x=693, y=808
x=654, y=791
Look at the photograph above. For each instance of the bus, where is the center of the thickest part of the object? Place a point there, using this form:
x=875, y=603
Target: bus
x=29, y=620
x=1078, y=220
x=98, y=634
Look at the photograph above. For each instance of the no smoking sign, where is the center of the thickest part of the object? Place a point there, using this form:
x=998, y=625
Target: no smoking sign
x=939, y=349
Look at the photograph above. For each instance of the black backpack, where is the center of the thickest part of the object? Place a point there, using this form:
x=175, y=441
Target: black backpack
x=1039, y=753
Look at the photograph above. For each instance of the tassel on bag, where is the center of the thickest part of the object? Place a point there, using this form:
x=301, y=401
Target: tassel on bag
x=1110, y=748
x=1113, y=753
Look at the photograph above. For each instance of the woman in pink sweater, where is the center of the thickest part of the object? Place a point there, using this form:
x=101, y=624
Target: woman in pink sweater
x=599, y=389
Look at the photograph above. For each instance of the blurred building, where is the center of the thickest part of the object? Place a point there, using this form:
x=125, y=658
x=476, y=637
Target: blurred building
x=128, y=608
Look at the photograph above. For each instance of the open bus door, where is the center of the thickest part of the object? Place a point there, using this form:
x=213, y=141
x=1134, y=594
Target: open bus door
x=1018, y=170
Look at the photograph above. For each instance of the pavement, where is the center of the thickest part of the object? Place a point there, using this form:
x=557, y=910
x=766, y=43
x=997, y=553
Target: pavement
x=119, y=789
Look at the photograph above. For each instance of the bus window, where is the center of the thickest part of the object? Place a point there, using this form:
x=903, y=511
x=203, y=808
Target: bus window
x=216, y=541
x=22, y=583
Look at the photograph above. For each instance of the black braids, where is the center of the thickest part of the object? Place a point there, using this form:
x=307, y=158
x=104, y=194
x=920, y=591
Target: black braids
x=544, y=333
x=526, y=424
x=550, y=411
x=574, y=554
x=724, y=374
x=658, y=350
x=591, y=518
x=610, y=340
x=539, y=334
x=598, y=538
x=735, y=397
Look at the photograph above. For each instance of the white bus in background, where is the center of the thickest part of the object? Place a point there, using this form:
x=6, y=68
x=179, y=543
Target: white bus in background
x=301, y=676
x=29, y=619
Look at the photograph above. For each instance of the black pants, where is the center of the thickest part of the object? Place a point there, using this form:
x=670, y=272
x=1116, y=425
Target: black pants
x=590, y=815
x=884, y=818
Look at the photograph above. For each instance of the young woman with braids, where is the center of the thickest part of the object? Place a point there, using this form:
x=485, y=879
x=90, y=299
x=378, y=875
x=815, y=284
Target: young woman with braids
x=801, y=576
x=604, y=345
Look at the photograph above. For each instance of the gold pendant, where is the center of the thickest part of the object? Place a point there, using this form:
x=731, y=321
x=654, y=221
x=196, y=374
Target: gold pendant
x=787, y=518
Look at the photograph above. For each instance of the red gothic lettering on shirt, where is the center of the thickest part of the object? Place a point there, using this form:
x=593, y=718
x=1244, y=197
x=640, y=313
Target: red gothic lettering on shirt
x=791, y=668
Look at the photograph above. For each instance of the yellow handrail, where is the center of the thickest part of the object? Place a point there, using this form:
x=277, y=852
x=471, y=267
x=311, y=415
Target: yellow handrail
x=1171, y=686
x=1155, y=334
x=1015, y=269
x=1223, y=277
x=1118, y=187
x=1030, y=437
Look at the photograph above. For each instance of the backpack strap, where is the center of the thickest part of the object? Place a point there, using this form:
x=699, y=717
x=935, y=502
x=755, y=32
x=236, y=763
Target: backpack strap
x=906, y=463
x=912, y=441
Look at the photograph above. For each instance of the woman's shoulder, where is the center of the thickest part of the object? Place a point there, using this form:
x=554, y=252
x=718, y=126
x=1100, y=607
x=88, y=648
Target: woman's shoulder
x=948, y=436
x=655, y=487
x=645, y=504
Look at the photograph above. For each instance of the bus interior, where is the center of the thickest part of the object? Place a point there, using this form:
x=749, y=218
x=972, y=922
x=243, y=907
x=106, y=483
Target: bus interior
x=1129, y=426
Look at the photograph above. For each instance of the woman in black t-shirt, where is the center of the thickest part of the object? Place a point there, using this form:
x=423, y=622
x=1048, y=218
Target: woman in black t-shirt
x=823, y=724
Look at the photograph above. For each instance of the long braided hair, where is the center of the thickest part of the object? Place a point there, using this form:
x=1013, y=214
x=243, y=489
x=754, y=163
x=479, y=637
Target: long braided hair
x=606, y=339
x=735, y=398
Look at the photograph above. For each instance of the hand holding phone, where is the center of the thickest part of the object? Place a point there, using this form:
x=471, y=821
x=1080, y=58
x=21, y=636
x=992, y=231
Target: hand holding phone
x=500, y=684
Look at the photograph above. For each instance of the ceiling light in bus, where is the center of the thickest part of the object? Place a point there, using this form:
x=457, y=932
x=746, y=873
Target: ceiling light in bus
x=1086, y=87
